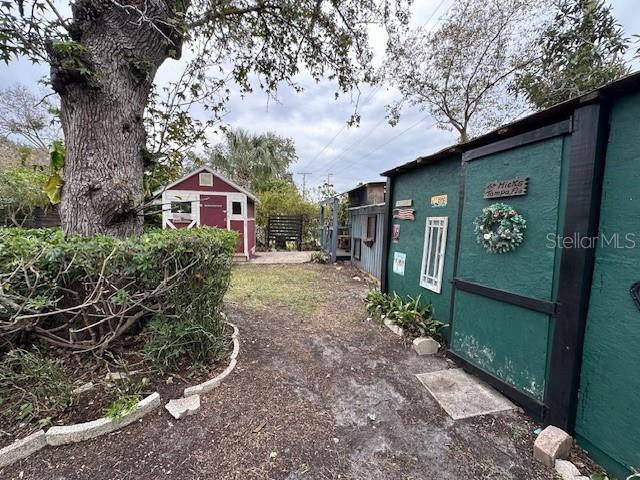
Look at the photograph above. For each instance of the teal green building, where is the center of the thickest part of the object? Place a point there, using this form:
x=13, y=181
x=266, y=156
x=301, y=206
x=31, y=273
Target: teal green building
x=553, y=323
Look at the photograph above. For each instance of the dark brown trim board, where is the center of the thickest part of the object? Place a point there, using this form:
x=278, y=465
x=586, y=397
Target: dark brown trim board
x=543, y=133
x=384, y=271
x=530, y=303
x=586, y=167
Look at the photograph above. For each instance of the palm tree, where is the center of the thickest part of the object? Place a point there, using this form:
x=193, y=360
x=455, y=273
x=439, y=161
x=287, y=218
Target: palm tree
x=253, y=161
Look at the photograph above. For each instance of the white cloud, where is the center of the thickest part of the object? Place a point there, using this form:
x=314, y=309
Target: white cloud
x=312, y=118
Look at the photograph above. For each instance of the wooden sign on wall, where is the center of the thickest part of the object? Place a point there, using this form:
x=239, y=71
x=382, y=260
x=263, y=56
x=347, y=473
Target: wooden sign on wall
x=439, y=201
x=507, y=188
x=404, y=203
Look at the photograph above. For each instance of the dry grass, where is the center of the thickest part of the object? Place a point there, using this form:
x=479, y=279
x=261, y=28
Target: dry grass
x=263, y=287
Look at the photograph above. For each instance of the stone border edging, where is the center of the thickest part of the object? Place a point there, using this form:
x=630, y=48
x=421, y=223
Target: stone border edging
x=78, y=432
x=22, y=448
x=209, y=385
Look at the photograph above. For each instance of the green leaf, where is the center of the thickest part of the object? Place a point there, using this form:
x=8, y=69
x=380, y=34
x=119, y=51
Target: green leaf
x=56, y=156
x=53, y=188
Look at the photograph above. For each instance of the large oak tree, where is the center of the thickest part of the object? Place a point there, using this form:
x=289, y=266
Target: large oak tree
x=105, y=54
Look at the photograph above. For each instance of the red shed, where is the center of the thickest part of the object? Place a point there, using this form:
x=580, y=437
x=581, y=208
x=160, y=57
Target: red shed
x=204, y=197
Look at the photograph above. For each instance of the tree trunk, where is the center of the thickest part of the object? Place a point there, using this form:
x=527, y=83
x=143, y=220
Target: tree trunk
x=104, y=78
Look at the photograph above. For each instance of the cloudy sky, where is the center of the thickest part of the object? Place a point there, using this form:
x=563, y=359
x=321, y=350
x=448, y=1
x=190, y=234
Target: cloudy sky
x=317, y=122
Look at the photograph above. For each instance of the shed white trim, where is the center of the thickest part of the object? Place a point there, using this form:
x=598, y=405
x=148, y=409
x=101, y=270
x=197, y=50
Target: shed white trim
x=435, y=242
x=216, y=174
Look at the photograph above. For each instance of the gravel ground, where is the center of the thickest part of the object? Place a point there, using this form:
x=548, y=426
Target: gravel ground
x=325, y=395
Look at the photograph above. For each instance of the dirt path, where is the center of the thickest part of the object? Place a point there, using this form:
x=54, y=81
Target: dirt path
x=316, y=395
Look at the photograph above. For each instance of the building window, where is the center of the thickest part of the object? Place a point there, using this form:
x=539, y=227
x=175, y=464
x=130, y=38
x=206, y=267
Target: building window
x=181, y=211
x=371, y=230
x=206, y=179
x=236, y=208
x=435, y=241
x=357, y=248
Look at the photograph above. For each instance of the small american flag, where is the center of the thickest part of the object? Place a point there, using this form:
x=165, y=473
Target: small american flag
x=404, y=214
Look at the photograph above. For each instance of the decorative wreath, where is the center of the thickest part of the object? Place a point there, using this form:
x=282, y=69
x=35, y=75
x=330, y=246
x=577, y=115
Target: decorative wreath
x=500, y=228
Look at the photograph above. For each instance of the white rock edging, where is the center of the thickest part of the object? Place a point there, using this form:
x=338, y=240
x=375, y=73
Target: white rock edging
x=425, y=346
x=209, y=385
x=84, y=431
x=394, y=328
x=22, y=448
x=79, y=432
x=182, y=407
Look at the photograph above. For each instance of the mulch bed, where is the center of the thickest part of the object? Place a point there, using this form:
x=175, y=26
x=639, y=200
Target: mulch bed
x=90, y=405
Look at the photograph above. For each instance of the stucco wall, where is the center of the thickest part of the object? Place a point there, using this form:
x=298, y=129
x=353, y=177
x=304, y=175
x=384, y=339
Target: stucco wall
x=507, y=341
x=420, y=185
x=608, y=417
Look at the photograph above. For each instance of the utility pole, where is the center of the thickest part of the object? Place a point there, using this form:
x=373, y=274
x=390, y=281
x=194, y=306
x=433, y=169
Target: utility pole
x=304, y=183
x=329, y=175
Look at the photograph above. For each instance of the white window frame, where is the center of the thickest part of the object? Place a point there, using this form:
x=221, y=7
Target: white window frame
x=180, y=196
x=431, y=229
x=208, y=175
x=236, y=197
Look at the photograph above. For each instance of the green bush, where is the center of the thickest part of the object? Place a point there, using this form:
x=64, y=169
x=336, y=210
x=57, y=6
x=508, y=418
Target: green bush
x=200, y=343
x=32, y=387
x=84, y=293
x=20, y=193
x=408, y=313
x=320, y=257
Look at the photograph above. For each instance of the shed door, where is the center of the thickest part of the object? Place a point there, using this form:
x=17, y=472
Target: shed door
x=502, y=321
x=213, y=210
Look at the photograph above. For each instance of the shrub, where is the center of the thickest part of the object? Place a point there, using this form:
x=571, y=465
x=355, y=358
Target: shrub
x=84, y=293
x=409, y=313
x=170, y=341
x=20, y=193
x=320, y=257
x=32, y=386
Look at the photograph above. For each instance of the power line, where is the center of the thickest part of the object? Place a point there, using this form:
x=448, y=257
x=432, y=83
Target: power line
x=366, y=100
x=371, y=152
x=434, y=12
x=340, y=156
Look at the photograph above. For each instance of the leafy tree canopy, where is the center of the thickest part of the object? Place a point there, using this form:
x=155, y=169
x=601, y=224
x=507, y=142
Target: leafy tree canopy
x=253, y=161
x=21, y=192
x=249, y=43
x=581, y=49
x=459, y=73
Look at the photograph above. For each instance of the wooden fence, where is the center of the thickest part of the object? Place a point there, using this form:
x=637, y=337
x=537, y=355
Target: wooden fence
x=285, y=228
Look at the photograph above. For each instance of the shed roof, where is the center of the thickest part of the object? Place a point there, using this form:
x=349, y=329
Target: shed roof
x=617, y=88
x=364, y=185
x=213, y=172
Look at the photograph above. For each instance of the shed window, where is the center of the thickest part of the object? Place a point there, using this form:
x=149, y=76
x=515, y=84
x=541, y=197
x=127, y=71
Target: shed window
x=435, y=242
x=181, y=211
x=371, y=230
x=236, y=208
x=357, y=248
x=206, y=179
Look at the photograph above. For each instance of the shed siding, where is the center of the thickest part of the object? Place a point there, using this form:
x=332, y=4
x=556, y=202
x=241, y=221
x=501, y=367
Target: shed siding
x=193, y=183
x=370, y=257
x=442, y=178
x=608, y=416
x=507, y=341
